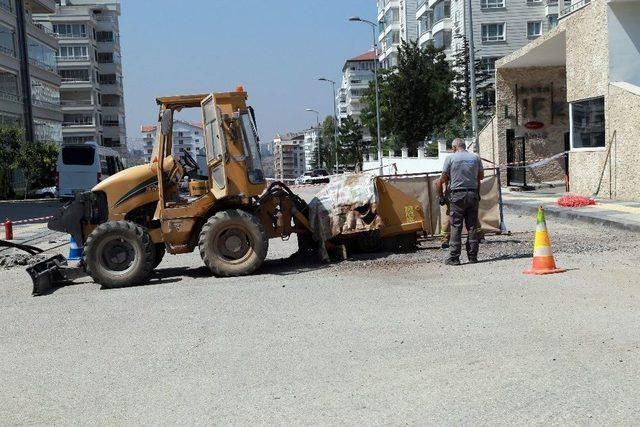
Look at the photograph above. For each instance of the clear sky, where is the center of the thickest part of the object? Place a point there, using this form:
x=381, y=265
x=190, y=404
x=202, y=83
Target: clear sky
x=275, y=48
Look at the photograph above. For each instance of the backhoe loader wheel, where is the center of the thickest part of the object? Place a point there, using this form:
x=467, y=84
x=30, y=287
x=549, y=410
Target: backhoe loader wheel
x=119, y=254
x=233, y=243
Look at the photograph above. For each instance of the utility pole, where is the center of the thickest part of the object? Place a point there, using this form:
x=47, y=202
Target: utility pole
x=335, y=118
x=25, y=76
x=375, y=73
x=472, y=78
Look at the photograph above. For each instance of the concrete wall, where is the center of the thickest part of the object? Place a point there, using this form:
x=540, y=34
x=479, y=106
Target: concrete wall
x=624, y=42
x=619, y=167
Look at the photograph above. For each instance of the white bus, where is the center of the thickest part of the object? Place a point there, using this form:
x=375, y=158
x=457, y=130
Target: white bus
x=82, y=166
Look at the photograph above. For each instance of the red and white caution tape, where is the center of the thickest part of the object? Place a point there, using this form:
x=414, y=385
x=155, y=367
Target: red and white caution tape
x=27, y=221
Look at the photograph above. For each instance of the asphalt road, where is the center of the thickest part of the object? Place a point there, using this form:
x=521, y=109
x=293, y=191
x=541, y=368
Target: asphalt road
x=384, y=339
x=18, y=210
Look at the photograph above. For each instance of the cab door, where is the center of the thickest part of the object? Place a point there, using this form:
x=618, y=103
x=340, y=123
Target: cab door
x=215, y=145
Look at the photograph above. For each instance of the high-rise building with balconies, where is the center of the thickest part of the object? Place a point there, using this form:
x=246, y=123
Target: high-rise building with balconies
x=499, y=27
x=357, y=73
x=187, y=137
x=90, y=67
x=29, y=83
x=288, y=156
x=397, y=22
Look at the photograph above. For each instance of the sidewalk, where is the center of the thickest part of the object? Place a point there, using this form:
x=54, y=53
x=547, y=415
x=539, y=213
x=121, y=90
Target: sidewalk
x=612, y=213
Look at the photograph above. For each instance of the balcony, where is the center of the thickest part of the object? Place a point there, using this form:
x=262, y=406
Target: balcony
x=574, y=7
x=45, y=104
x=79, y=124
x=78, y=58
x=10, y=96
x=8, y=51
x=43, y=65
x=77, y=104
x=423, y=8
x=41, y=6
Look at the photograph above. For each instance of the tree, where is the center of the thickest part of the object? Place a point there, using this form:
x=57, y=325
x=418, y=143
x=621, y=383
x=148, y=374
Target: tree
x=462, y=83
x=352, y=145
x=10, y=141
x=326, y=146
x=416, y=98
x=38, y=161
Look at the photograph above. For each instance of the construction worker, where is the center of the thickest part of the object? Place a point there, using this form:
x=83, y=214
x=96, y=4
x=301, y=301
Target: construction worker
x=463, y=172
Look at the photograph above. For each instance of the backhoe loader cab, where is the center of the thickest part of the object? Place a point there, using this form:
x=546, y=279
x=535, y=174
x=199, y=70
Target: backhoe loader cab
x=130, y=220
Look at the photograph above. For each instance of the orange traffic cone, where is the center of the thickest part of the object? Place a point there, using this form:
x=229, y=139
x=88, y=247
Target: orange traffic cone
x=543, y=261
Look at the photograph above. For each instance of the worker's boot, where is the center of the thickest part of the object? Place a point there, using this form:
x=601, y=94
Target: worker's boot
x=452, y=261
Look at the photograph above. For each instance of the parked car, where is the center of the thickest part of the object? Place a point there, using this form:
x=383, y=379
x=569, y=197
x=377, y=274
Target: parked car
x=317, y=176
x=47, y=192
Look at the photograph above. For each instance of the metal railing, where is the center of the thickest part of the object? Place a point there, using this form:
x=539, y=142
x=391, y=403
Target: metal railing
x=73, y=58
x=44, y=29
x=7, y=51
x=45, y=104
x=43, y=65
x=74, y=80
x=78, y=124
x=76, y=103
x=71, y=36
x=573, y=8
x=10, y=96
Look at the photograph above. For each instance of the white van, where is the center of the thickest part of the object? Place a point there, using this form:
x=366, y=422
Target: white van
x=82, y=166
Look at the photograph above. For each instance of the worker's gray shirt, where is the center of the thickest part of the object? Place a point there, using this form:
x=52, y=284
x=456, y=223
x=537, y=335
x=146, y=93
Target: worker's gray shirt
x=463, y=169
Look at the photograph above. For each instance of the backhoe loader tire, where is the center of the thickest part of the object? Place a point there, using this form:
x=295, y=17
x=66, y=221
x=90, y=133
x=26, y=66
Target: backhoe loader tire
x=159, y=254
x=119, y=254
x=233, y=243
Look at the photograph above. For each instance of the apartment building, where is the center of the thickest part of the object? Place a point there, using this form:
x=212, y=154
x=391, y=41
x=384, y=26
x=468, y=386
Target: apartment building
x=500, y=26
x=312, y=137
x=357, y=73
x=397, y=22
x=90, y=67
x=31, y=98
x=288, y=153
x=187, y=137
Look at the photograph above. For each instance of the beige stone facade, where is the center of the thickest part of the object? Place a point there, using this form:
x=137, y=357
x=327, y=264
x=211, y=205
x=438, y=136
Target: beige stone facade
x=539, y=87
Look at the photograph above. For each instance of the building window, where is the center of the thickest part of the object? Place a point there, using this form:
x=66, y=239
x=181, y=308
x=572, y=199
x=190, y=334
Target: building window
x=492, y=4
x=494, y=32
x=73, y=53
x=441, y=10
x=44, y=95
x=553, y=21
x=9, y=86
x=534, y=1
x=587, y=124
x=76, y=76
x=534, y=28
x=105, y=36
x=7, y=5
x=488, y=65
x=442, y=39
x=70, y=31
x=41, y=55
x=7, y=41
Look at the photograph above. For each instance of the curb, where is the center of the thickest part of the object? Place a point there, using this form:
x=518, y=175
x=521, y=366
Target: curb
x=15, y=202
x=568, y=214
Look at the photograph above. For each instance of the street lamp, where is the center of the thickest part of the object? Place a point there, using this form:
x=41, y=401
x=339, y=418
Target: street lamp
x=335, y=118
x=375, y=72
x=310, y=110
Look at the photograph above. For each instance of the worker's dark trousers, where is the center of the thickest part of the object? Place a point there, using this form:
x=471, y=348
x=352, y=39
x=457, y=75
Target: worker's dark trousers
x=464, y=208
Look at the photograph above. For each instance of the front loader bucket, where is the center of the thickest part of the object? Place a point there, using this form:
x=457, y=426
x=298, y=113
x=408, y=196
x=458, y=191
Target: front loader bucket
x=52, y=273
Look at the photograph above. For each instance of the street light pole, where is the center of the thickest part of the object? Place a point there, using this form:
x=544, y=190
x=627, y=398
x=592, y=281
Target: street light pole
x=335, y=118
x=472, y=78
x=318, y=135
x=375, y=73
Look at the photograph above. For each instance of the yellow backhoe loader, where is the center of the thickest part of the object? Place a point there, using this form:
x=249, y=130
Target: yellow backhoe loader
x=128, y=222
